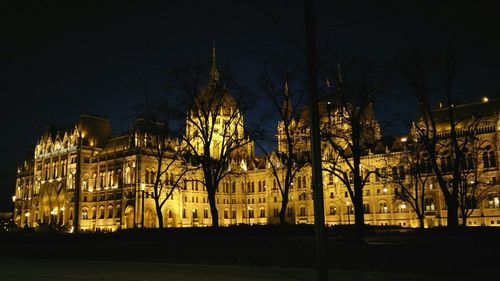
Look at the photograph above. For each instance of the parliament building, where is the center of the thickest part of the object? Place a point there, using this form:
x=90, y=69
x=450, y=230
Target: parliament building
x=87, y=178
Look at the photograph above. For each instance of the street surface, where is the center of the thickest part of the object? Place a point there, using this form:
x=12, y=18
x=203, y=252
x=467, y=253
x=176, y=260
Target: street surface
x=75, y=270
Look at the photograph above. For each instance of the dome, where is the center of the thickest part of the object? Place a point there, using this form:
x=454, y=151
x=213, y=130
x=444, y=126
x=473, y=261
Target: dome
x=215, y=95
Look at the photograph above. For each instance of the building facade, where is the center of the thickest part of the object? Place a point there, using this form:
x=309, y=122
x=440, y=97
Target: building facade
x=86, y=178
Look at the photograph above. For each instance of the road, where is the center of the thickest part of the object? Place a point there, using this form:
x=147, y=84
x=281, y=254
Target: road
x=76, y=270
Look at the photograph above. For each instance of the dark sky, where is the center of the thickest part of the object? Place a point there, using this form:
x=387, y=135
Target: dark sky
x=60, y=59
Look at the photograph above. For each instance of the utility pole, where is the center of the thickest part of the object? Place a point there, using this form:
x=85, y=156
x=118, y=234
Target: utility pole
x=142, y=205
x=317, y=173
x=76, y=193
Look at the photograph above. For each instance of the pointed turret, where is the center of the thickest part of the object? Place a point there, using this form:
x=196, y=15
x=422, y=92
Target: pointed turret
x=338, y=98
x=214, y=71
x=287, y=103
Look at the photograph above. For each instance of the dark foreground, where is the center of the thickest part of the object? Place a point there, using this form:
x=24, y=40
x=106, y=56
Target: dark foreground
x=250, y=253
x=64, y=270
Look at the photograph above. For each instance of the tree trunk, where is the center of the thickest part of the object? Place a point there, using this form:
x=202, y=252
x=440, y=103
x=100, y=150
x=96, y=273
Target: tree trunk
x=452, y=219
x=213, y=210
x=160, y=217
x=464, y=219
x=421, y=224
x=359, y=218
x=284, y=203
x=211, y=186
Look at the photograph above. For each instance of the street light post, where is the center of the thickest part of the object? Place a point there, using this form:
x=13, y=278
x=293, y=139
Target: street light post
x=317, y=173
x=76, y=193
x=143, y=186
x=348, y=214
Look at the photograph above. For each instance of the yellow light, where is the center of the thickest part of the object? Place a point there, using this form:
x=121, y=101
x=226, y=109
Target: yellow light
x=143, y=186
x=384, y=190
x=485, y=99
x=14, y=198
x=404, y=139
x=27, y=214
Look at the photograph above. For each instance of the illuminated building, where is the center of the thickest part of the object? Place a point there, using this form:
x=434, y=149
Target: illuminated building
x=107, y=180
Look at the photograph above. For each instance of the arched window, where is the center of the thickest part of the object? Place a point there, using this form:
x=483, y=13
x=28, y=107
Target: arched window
x=101, y=179
x=111, y=178
x=110, y=212
x=63, y=168
x=489, y=159
x=402, y=207
x=366, y=208
x=171, y=181
x=127, y=175
x=101, y=212
x=429, y=204
x=333, y=210
x=302, y=211
x=470, y=161
x=494, y=201
x=262, y=213
x=146, y=176
x=170, y=215
x=493, y=161
x=118, y=211
x=226, y=213
x=250, y=213
x=382, y=207
x=85, y=214
x=94, y=213
x=152, y=177
x=92, y=182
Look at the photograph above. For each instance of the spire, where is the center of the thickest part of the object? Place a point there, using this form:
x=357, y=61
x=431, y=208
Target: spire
x=214, y=71
x=287, y=103
x=338, y=99
x=339, y=73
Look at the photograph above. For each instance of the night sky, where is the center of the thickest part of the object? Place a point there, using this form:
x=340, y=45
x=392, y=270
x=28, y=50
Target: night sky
x=59, y=60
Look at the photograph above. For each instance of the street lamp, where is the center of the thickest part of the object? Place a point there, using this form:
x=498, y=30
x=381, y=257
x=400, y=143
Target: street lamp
x=248, y=214
x=403, y=140
x=348, y=213
x=192, y=218
x=27, y=215
x=143, y=186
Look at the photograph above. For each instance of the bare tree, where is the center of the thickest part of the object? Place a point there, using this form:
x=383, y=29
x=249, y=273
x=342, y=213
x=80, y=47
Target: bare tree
x=160, y=141
x=411, y=174
x=446, y=147
x=475, y=185
x=215, y=134
x=286, y=161
x=350, y=130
